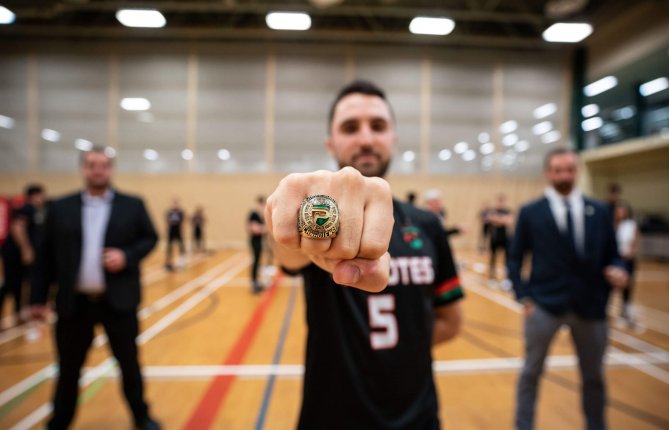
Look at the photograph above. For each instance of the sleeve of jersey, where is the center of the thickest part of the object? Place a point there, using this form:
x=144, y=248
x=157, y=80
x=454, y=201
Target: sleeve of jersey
x=447, y=287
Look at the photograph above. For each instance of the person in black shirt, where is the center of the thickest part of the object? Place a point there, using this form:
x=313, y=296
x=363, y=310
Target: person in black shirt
x=256, y=229
x=379, y=294
x=18, y=251
x=197, y=221
x=499, y=219
x=175, y=218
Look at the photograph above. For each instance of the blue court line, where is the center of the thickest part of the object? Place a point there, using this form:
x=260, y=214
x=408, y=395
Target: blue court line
x=267, y=395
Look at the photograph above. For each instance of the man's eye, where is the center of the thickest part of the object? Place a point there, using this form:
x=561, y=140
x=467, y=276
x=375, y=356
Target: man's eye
x=379, y=126
x=349, y=128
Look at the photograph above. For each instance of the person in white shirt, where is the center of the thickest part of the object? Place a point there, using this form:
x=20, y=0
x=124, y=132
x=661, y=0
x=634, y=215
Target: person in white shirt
x=627, y=236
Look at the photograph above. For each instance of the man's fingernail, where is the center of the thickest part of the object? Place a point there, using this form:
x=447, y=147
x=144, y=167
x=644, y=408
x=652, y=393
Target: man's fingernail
x=349, y=274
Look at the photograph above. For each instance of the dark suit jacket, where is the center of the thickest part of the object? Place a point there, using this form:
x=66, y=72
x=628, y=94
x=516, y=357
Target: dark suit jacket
x=129, y=229
x=560, y=280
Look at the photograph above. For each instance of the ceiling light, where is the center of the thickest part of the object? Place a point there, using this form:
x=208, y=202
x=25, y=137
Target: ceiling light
x=469, y=155
x=522, y=146
x=135, y=103
x=146, y=18
x=545, y=110
x=288, y=21
x=50, y=135
x=592, y=123
x=6, y=16
x=567, y=32
x=589, y=110
x=551, y=136
x=654, y=86
x=461, y=147
x=510, y=139
x=110, y=152
x=187, y=154
x=508, y=126
x=151, y=154
x=6, y=122
x=83, y=144
x=409, y=156
x=224, y=154
x=600, y=86
x=542, y=127
x=487, y=148
x=431, y=26
x=445, y=154
x=623, y=113
x=484, y=137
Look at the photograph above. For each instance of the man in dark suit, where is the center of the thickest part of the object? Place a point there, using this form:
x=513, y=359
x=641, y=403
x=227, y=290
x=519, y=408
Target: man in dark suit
x=574, y=265
x=93, y=244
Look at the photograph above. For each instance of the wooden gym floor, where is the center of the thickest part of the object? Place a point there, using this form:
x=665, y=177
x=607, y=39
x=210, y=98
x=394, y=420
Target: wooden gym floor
x=216, y=356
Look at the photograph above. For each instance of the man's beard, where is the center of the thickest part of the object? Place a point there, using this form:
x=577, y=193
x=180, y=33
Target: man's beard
x=563, y=188
x=377, y=169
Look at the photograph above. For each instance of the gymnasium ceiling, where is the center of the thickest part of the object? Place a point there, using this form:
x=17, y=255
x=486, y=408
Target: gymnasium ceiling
x=479, y=23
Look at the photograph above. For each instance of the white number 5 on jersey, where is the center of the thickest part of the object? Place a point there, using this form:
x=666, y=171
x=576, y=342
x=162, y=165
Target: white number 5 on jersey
x=382, y=322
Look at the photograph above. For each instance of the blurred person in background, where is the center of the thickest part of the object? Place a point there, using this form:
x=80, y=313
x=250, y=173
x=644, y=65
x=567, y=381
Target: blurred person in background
x=256, y=231
x=434, y=204
x=175, y=218
x=94, y=241
x=26, y=229
x=198, y=220
x=574, y=266
x=627, y=236
x=499, y=219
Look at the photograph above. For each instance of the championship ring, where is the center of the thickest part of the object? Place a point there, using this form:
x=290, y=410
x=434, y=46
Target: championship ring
x=318, y=217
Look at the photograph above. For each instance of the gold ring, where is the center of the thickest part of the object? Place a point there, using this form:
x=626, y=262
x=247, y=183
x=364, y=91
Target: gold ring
x=318, y=217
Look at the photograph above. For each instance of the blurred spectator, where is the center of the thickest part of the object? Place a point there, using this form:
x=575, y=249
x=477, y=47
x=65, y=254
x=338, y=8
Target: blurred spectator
x=175, y=218
x=198, y=221
x=18, y=251
x=627, y=236
x=256, y=229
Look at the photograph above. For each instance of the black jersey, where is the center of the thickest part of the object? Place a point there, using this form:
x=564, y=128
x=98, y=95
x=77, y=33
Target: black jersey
x=255, y=216
x=368, y=357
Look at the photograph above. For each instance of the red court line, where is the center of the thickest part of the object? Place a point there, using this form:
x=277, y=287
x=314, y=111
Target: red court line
x=212, y=401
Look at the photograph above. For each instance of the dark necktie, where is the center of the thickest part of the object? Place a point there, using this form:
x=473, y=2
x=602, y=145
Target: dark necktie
x=570, y=226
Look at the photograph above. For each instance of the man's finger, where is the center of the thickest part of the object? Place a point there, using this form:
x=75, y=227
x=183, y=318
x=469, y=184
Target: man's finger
x=378, y=221
x=284, y=212
x=346, y=186
x=367, y=275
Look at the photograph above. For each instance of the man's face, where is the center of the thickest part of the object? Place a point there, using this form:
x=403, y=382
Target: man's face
x=362, y=134
x=561, y=172
x=37, y=200
x=97, y=170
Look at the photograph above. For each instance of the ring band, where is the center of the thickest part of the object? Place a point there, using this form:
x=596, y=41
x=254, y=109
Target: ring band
x=318, y=217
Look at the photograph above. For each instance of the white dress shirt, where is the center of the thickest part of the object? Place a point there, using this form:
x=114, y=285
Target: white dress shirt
x=95, y=212
x=559, y=210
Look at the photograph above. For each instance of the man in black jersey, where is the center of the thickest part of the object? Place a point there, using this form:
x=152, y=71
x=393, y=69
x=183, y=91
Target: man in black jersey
x=368, y=359
x=175, y=219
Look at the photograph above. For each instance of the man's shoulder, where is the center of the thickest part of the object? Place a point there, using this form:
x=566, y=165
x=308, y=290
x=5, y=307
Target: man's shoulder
x=67, y=200
x=534, y=205
x=416, y=215
x=127, y=198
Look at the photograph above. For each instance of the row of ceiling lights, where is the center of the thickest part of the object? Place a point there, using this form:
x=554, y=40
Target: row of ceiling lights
x=437, y=26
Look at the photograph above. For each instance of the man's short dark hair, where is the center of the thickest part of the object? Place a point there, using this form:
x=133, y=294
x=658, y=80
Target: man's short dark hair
x=555, y=152
x=357, y=87
x=96, y=149
x=32, y=189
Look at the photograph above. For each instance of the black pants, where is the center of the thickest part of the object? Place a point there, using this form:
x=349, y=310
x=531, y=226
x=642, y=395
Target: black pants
x=256, y=248
x=74, y=336
x=174, y=236
x=630, y=266
x=15, y=275
x=495, y=245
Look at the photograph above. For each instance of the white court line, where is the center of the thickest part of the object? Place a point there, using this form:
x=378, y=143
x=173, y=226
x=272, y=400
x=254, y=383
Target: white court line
x=147, y=311
x=647, y=368
x=44, y=410
x=478, y=365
